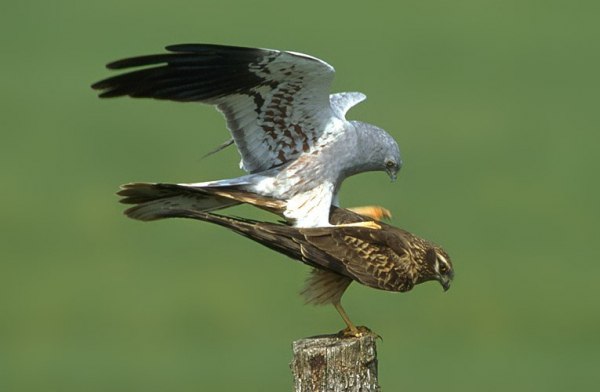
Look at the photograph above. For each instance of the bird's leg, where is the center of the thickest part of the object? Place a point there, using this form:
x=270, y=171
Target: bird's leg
x=375, y=212
x=352, y=330
x=368, y=225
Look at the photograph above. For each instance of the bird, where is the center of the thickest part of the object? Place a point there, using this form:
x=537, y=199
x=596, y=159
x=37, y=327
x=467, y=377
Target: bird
x=389, y=259
x=294, y=140
x=383, y=257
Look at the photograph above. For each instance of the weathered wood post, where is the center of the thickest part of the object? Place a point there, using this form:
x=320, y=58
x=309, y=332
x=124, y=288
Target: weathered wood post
x=329, y=363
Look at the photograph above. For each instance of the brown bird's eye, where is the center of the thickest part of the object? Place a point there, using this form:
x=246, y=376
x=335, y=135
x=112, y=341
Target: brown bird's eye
x=443, y=268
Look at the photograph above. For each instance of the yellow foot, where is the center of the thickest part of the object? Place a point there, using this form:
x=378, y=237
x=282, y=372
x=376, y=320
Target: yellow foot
x=367, y=225
x=375, y=212
x=356, y=333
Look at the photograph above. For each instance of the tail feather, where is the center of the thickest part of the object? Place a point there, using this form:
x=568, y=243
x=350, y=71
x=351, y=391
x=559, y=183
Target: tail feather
x=157, y=201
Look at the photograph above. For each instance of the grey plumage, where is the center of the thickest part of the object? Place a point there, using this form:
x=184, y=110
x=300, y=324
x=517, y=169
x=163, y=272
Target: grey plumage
x=292, y=135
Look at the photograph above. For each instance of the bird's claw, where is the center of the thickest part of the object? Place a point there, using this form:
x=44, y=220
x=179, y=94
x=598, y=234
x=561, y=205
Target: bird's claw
x=375, y=212
x=357, y=332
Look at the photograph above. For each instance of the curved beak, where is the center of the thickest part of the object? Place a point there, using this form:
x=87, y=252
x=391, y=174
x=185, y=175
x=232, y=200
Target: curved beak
x=392, y=173
x=446, y=284
x=446, y=281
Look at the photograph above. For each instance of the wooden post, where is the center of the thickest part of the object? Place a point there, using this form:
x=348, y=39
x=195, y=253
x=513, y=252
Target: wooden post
x=329, y=363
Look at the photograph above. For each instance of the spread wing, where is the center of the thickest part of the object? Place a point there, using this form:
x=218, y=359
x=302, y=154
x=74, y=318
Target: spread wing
x=276, y=104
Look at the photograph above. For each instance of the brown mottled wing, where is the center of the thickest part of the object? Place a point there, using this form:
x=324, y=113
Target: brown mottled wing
x=375, y=258
x=276, y=104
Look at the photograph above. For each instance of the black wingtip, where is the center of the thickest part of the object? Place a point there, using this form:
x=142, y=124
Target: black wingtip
x=208, y=48
x=139, y=61
x=186, y=73
x=103, y=84
x=109, y=93
x=186, y=48
x=116, y=64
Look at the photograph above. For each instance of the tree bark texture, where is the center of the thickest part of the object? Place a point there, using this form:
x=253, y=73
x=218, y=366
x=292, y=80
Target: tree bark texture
x=329, y=363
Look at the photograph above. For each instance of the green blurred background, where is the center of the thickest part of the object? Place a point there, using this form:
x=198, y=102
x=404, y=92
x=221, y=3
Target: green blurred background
x=494, y=105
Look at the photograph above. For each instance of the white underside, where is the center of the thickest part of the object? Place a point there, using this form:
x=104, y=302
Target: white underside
x=311, y=209
x=305, y=209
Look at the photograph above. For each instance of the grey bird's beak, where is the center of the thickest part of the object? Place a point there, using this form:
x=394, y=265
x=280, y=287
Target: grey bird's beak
x=393, y=174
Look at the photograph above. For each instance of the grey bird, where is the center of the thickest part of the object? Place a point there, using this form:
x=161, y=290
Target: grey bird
x=292, y=135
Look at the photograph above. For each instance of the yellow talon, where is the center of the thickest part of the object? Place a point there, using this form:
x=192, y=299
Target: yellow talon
x=375, y=212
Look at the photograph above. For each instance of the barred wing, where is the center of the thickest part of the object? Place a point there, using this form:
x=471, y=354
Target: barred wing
x=371, y=257
x=276, y=104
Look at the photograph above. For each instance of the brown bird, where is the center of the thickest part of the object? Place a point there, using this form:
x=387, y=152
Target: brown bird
x=383, y=257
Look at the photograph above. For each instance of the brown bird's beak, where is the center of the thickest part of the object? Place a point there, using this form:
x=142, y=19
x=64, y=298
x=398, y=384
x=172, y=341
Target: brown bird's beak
x=446, y=282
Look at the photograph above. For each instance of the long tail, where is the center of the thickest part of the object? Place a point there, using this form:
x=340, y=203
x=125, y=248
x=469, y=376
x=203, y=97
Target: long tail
x=158, y=201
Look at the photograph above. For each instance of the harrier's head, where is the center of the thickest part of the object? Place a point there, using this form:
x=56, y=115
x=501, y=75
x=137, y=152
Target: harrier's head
x=437, y=266
x=379, y=149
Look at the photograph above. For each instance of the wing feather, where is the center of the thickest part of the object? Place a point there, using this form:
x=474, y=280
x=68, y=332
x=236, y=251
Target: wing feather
x=279, y=98
x=366, y=256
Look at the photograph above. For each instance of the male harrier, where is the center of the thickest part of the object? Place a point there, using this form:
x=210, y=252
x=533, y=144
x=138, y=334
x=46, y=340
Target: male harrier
x=292, y=135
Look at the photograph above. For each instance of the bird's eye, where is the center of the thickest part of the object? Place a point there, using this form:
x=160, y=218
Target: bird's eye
x=390, y=163
x=443, y=268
